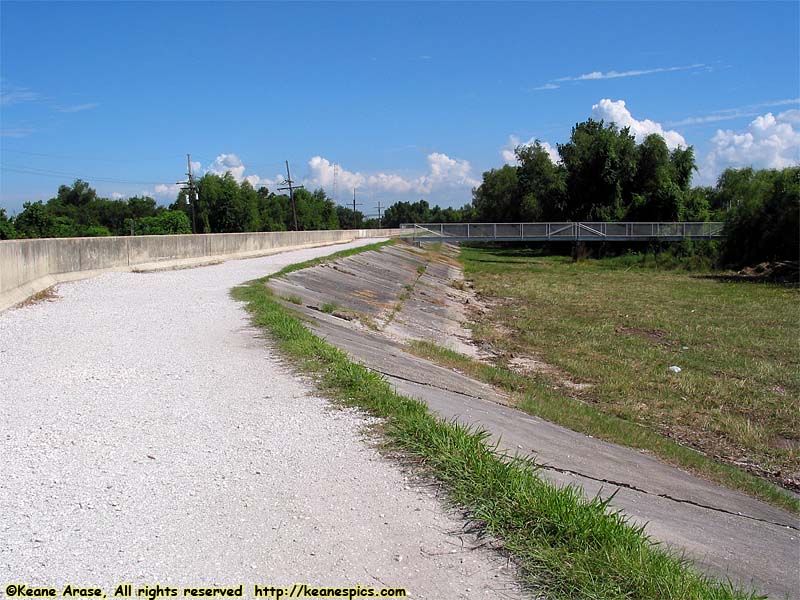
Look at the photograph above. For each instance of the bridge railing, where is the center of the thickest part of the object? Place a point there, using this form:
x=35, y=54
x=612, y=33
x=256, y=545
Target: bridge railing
x=567, y=231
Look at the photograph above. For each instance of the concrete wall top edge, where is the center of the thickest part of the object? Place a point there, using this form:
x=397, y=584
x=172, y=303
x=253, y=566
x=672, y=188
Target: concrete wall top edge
x=25, y=262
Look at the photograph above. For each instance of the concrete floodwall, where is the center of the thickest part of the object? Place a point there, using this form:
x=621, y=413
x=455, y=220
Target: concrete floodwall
x=30, y=266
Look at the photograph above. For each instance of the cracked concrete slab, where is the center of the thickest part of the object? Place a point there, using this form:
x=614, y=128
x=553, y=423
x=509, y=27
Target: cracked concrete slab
x=726, y=533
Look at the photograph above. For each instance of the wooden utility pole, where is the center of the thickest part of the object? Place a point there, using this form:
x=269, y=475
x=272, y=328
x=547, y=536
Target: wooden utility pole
x=190, y=188
x=380, y=216
x=354, y=208
x=288, y=186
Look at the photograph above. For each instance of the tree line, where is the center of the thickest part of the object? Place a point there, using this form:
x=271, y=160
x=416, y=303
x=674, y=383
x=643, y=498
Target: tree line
x=602, y=174
x=223, y=206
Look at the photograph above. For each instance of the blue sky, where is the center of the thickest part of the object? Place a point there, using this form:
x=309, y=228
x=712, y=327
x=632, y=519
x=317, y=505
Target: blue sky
x=409, y=100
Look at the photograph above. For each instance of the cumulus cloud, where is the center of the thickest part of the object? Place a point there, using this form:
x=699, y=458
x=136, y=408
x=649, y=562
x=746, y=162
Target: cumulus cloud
x=165, y=190
x=510, y=158
x=322, y=175
x=443, y=172
x=617, y=112
x=225, y=163
x=769, y=142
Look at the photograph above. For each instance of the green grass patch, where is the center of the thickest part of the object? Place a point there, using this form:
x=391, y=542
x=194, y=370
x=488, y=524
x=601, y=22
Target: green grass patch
x=618, y=326
x=566, y=545
x=329, y=307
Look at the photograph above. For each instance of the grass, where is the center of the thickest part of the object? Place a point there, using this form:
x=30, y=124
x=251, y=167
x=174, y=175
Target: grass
x=567, y=546
x=618, y=330
x=329, y=307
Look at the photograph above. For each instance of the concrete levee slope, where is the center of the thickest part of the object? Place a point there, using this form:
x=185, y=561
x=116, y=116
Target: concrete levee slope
x=30, y=266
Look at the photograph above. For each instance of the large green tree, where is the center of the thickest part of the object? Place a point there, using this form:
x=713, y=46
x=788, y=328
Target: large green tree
x=763, y=219
x=600, y=163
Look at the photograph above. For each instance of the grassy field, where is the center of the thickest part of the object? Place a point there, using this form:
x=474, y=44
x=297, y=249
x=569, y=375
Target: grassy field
x=616, y=328
x=567, y=546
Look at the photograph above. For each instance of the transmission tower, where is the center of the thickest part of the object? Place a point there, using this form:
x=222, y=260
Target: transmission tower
x=289, y=186
x=335, y=173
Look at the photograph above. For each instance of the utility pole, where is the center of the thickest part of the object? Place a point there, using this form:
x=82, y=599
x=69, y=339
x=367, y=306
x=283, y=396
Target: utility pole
x=354, y=208
x=380, y=217
x=288, y=183
x=191, y=190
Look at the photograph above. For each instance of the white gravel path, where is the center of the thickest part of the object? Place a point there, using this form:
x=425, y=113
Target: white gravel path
x=147, y=435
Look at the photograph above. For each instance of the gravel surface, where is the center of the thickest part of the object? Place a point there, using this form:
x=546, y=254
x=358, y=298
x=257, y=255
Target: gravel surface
x=147, y=435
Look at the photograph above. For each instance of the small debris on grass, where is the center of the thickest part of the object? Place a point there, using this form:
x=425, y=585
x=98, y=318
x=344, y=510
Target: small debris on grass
x=675, y=369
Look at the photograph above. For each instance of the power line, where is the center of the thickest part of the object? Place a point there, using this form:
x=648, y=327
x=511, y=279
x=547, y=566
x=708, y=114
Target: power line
x=82, y=157
x=61, y=174
x=288, y=183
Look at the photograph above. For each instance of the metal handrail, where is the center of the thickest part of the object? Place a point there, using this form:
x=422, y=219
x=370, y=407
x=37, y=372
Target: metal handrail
x=569, y=230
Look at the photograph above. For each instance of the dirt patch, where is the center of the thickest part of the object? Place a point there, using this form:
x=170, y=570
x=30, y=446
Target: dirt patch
x=783, y=272
x=527, y=364
x=654, y=335
x=786, y=443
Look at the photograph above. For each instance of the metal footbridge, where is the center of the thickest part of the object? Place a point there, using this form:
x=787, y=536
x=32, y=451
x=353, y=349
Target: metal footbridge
x=610, y=231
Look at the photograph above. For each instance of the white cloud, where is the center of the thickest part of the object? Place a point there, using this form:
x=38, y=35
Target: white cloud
x=225, y=163
x=164, y=190
x=510, y=158
x=321, y=175
x=443, y=172
x=728, y=114
x=616, y=112
x=633, y=73
x=11, y=94
x=17, y=132
x=78, y=107
x=547, y=86
x=117, y=195
x=769, y=142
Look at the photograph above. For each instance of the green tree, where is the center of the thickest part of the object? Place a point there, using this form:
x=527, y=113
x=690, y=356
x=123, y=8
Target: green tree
x=763, y=222
x=7, y=230
x=168, y=222
x=35, y=221
x=542, y=185
x=498, y=197
x=600, y=163
x=349, y=219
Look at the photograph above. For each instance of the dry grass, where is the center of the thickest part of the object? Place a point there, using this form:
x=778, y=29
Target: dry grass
x=46, y=295
x=736, y=398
